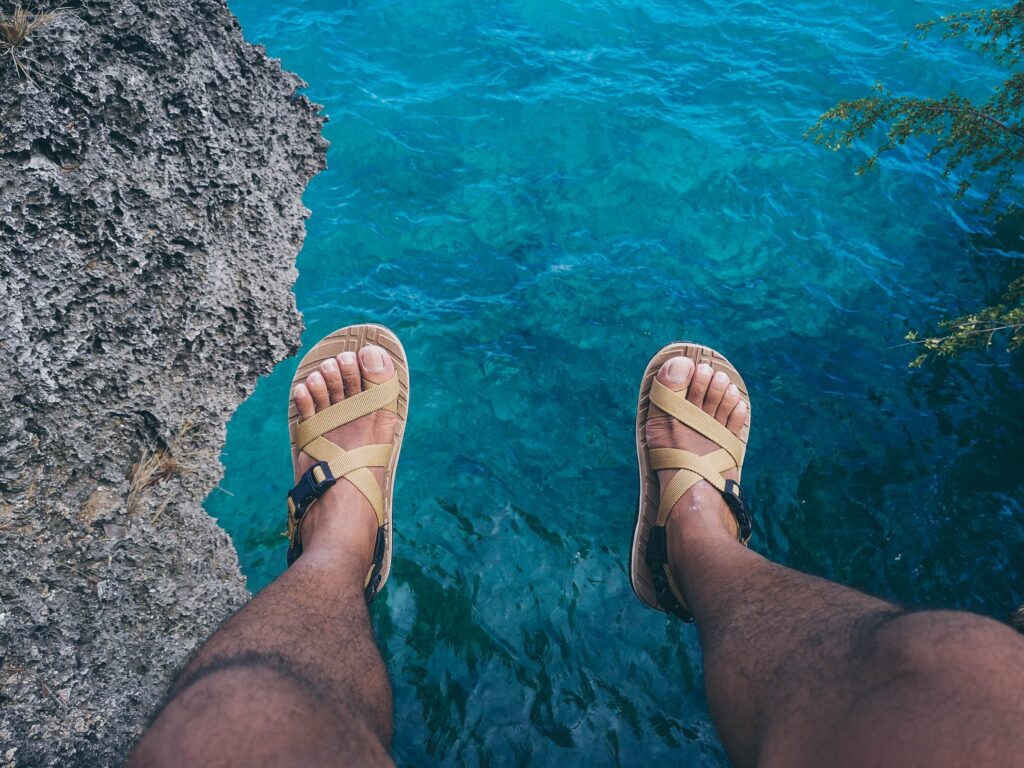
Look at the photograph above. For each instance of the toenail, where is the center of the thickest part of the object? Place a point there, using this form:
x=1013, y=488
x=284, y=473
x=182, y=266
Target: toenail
x=704, y=369
x=732, y=390
x=299, y=391
x=329, y=365
x=373, y=360
x=721, y=377
x=316, y=378
x=676, y=370
x=348, y=357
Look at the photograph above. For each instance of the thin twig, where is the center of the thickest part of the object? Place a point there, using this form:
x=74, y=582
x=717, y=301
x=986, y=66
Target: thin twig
x=973, y=332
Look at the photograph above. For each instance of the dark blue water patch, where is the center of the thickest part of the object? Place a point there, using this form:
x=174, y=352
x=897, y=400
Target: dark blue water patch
x=536, y=196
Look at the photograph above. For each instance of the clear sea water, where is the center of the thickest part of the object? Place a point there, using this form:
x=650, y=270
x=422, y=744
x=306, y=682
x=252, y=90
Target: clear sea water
x=536, y=195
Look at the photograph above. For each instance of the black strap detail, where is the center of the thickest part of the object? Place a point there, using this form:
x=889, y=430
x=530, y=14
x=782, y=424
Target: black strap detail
x=378, y=561
x=657, y=559
x=656, y=555
x=738, y=509
x=308, y=490
x=305, y=492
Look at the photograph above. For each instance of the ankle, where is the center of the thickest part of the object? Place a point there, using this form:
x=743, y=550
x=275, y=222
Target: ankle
x=700, y=523
x=701, y=513
x=340, y=526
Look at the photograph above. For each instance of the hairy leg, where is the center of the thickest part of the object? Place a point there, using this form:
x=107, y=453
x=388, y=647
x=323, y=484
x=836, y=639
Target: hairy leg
x=802, y=671
x=295, y=678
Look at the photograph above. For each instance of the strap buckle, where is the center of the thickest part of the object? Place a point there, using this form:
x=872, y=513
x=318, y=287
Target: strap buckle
x=738, y=509
x=311, y=486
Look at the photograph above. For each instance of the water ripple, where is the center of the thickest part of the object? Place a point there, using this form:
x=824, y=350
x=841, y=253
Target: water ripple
x=536, y=195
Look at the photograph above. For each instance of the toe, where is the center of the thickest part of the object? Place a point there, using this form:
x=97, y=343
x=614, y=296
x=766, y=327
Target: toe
x=699, y=385
x=331, y=372
x=318, y=390
x=729, y=401
x=350, y=373
x=737, y=418
x=376, y=364
x=303, y=402
x=676, y=373
x=716, y=391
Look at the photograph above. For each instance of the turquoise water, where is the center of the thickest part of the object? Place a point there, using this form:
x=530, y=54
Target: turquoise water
x=536, y=196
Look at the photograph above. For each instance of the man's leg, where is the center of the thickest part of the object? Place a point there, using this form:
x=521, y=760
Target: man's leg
x=295, y=678
x=800, y=671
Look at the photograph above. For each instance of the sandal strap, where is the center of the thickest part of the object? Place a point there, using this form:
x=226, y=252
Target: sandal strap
x=667, y=592
x=314, y=483
x=676, y=405
x=353, y=466
x=373, y=398
x=669, y=595
x=335, y=463
x=692, y=469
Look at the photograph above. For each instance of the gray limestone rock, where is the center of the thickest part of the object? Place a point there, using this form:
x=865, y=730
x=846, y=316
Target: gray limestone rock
x=151, y=171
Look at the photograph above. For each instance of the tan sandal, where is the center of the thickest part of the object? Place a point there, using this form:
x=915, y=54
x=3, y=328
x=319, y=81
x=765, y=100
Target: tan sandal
x=649, y=571
x=333, y=461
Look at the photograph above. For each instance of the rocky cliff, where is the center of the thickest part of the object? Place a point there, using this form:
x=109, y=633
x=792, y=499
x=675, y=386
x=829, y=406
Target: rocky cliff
x=151, y=169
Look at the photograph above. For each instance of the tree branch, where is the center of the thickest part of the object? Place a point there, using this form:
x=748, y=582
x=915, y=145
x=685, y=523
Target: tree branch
x=978, y=113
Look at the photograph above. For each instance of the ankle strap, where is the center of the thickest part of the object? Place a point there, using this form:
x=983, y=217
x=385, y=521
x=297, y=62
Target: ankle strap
x=670, y=596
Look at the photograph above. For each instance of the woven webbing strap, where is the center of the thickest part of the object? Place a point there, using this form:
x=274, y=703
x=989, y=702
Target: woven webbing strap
x=691, y=469
x=353, y=466
x=335, y=463
x=374, y=397
x=675, y=404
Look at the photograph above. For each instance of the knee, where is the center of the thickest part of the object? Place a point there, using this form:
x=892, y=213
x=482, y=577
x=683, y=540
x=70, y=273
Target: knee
x=939, y=645
x=252, y=715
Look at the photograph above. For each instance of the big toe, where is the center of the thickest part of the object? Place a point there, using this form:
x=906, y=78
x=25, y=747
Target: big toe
x=676, y=373
x=375, y=364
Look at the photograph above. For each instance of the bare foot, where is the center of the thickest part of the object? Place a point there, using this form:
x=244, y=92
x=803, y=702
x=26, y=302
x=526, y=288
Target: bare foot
x=342, y=520
x=702, y=506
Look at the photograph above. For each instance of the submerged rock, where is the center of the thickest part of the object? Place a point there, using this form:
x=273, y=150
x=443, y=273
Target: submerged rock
x=151, y=169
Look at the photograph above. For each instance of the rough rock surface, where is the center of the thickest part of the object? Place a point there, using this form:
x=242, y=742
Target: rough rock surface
x=150, y=181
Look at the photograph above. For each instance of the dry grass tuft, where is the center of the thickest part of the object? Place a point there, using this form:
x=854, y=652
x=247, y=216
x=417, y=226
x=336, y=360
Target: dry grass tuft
x=151, y=468
x=157, y=465
x=16, y=26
